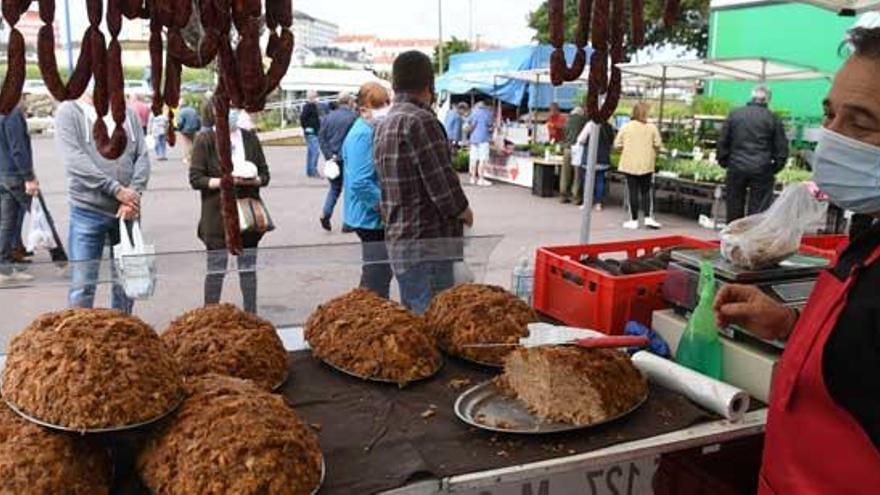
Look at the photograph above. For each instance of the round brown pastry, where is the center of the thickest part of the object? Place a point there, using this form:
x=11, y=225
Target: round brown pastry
x=230, y=436
x=478, y=314
x=91, y=369
x=226, y=340
x=35, y=461
x=372, y=338
x=570, y=384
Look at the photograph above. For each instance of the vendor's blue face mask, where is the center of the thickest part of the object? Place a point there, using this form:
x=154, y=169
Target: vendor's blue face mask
x=848, y=171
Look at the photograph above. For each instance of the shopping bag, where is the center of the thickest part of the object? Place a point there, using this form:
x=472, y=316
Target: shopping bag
x=36, y=230
x=135, y=262
x=253, y=216
x=150, y=141
x=59, y=256
x=332, y=170
x=766, y=239
x=577, y=155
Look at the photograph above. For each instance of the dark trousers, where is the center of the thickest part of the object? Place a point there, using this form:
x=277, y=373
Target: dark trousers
x=758, y=189
x=247, y=276
x=376, y=271
x=13, y=204
x=640, y=198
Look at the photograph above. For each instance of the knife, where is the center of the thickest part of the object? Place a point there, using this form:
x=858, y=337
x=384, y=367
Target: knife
x=589, y=343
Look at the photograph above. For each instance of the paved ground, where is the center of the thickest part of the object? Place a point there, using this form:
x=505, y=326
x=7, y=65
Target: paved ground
x=293, y=282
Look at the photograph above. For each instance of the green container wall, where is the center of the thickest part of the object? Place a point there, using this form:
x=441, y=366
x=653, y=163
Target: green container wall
x=796, y=33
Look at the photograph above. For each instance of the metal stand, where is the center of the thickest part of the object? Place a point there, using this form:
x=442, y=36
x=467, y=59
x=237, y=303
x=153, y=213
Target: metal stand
x=590, y=180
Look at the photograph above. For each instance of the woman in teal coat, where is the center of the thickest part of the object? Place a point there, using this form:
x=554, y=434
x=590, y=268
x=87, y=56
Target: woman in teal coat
x=361, y=191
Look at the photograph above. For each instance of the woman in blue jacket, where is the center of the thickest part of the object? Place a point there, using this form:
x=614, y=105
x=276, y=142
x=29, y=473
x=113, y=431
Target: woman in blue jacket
x=361, y=190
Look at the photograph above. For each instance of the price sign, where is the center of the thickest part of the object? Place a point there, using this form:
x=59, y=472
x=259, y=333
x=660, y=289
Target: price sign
x=624, y=478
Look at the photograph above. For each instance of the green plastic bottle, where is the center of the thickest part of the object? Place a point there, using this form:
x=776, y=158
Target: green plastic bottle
x=700, y=346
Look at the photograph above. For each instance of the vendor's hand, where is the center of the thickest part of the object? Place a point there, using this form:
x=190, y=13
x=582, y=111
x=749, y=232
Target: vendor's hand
x=128, y=213
x=128, y=196
x=214, y=183
x=467, y=217
x=751, y=309
x=32, y=187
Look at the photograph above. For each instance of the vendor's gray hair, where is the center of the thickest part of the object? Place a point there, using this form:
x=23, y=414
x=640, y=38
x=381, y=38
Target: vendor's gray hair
x=863, y=41
x=761, y=94
x=345, y=99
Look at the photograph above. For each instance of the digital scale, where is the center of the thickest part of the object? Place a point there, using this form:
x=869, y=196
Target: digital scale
x=790, y=282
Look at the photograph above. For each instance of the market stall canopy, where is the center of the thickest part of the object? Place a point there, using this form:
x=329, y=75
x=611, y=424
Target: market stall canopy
x=508, y=75
x=731, y=69
x=328, y=80
x=840, y=6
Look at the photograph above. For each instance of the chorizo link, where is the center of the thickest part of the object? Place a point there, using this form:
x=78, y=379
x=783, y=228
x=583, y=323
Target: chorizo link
x=47, y=11
x=670, y=14
x=181, y=13
x=79, y=80
x=13, y=82
x=99, y=71
x=132, y=9
x=95, y=9
x=156, y=65
x=110, y=147
x=114, y=17
x=250, y=63
x=231, y=226
x=229, y=71
x=556, y=14
x=172, y=82
x=638, y=22
x=280, y=61
x=585, y=17
x=11, y=11
x=116, y=82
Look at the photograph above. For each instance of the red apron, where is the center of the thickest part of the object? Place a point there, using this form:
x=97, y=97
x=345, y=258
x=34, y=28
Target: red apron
x=814, y=446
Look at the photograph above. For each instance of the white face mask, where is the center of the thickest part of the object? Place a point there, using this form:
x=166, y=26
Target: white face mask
x=378, y=114
x=848, y=171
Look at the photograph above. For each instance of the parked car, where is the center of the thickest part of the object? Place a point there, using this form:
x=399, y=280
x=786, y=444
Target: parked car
x=35, y=87
x=137, y=87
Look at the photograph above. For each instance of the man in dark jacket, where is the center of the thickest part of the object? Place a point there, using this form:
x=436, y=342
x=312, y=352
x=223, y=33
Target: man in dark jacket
x=310, y=120
x=18, y=185
x=333, y=131
x=572, y=176
x=753, y=148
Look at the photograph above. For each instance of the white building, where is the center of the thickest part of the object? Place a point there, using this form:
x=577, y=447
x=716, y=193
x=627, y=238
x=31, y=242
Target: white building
x=312, y=32
x=381, y=52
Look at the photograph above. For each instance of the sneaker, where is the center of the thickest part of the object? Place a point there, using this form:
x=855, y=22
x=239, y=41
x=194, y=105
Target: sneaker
x=347, y=229
x=483, y=182
x=325, y=224
x=21, y=277
x=598, y=207
x=652, y=224
x=631, y=225
x=473, y=181
x=565, y=199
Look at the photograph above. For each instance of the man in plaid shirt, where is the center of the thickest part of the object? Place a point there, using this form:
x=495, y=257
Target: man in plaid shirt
x=423, y=205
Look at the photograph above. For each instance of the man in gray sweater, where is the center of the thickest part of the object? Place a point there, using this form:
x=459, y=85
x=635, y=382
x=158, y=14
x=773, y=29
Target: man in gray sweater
x=100, y=192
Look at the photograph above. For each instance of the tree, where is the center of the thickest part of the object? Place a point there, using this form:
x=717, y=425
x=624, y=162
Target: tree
x=690, y=32
x=450, y=48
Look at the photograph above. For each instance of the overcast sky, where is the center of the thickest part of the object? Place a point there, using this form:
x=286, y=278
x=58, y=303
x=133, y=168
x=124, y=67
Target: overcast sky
x=497, y=21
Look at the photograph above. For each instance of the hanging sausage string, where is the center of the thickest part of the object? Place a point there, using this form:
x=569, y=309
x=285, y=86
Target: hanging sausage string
x=604, y=22
x=243, y=82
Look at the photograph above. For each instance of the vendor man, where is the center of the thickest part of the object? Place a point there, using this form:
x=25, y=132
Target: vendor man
x=823, y=431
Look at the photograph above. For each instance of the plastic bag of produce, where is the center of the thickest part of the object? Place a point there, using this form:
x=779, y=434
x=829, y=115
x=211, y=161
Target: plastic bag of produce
x=764, y=240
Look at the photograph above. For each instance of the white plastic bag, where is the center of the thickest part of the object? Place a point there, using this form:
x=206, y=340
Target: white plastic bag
x=331, y=170
x=135, y=262
x=577, y=155
x=150, y=141
x=36, y=230
x=764, y=240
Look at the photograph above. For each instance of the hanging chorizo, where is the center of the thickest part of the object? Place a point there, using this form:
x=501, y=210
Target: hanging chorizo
x=13, y=82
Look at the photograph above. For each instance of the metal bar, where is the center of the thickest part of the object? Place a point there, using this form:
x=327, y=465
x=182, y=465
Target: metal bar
x=590, y=180
x=68, y=37
x=440, y=36
x=662, y=99
x=703, y=434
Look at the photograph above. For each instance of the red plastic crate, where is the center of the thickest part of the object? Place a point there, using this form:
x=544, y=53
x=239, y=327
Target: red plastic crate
x=822, y=245
x=582, y=296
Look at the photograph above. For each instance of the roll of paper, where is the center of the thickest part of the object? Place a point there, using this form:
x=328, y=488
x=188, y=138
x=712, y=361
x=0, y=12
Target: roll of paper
x=716, y=396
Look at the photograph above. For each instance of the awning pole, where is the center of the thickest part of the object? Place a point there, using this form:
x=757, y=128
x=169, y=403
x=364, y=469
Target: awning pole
x=590, y=180
x=532, y=112
x=662, y=98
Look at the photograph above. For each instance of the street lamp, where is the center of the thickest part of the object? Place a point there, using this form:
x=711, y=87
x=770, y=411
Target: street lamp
x=440, y=36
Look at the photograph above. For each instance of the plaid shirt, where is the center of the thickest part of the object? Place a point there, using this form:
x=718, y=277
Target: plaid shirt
x=422, y=197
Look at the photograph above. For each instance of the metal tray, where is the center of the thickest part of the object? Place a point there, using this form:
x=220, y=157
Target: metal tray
x=505, y=414
x=91, y=431
x=797, y=265
x=323, y=475
x=382, y=380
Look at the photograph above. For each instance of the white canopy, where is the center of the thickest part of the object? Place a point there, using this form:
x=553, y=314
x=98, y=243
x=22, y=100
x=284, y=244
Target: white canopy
x=327, y=80
x=731, y=69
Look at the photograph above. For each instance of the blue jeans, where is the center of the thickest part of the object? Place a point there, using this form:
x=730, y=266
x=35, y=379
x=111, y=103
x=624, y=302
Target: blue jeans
x=89, y=232
x=13, y=204
x=421, y=282
x=161, y=148
x=332, y=196
x=599, y=189
x=312, y=156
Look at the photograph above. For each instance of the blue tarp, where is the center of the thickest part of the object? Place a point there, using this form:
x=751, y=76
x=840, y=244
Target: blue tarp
x=476, y=71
